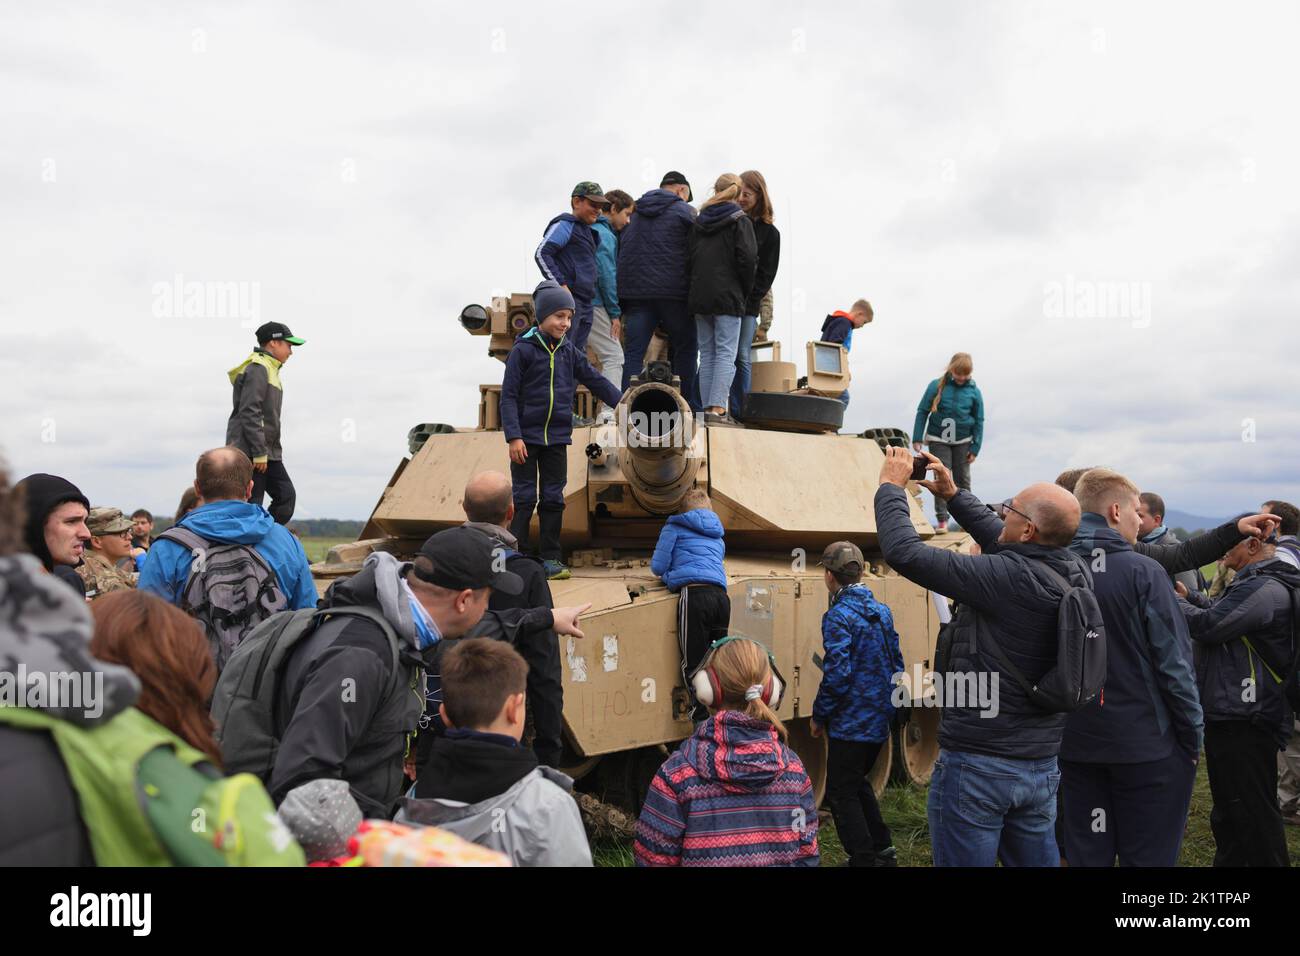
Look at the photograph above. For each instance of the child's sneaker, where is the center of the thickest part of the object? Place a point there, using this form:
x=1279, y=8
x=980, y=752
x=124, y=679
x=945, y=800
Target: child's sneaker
x=555, y=570
x=941, y=527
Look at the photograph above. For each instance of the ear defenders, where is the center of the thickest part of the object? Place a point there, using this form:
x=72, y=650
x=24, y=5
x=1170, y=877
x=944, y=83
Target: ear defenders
x=708, y=689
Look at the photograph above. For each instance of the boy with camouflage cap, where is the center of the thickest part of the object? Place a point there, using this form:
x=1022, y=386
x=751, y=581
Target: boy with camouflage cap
x=567, y=255
x=110, y=542
x=854, y=706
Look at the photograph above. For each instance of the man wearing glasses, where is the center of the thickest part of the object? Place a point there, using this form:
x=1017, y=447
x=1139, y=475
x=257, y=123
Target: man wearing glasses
x=110, y=542
x=993, y=792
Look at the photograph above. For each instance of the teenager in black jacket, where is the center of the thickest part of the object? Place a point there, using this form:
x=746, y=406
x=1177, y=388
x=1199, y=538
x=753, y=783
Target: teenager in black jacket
x=724, y=258
x=758, y=207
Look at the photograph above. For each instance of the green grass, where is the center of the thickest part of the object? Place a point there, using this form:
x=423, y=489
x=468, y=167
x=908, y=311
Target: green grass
x=317, y=548
x=903, y=809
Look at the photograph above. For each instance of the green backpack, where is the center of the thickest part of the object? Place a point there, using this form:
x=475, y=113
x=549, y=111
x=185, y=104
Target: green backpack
x=147, y=798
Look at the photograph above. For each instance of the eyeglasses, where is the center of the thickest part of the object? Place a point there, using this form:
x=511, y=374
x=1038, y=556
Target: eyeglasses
x=1003, y=508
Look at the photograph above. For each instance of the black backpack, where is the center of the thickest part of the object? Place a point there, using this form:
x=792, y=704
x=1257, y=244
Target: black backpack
x=1287, y=673
x=1080, y=669
x=230, y=590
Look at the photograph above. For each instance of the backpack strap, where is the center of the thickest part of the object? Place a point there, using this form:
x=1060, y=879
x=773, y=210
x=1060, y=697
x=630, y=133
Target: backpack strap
x=186, y=538
x=374, y=617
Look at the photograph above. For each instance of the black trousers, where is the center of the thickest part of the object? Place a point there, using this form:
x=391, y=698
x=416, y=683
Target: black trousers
x=858, y=822
x=546, y=466
x=275, y=481
x=1242, y=763
x=541, y=650
x=703, y=616
x=1134, y=811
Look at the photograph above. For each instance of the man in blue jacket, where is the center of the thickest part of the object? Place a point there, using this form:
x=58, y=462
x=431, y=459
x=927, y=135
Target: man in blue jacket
x=567, y=255
x=224, y=481
x=854, y=706
x=1128, y=759
x=653, y=280
x=993, y=792
x=1243, y=644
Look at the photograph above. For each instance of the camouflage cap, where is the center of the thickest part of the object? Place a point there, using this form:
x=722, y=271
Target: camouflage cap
x=103, y=521
x=840, y=554
x=590, y=190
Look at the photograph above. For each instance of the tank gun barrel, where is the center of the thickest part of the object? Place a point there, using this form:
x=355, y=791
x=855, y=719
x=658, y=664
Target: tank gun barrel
x=657, y=456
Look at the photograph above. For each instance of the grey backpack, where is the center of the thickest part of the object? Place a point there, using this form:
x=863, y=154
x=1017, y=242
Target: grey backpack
x=231, y=589
x=244, y=701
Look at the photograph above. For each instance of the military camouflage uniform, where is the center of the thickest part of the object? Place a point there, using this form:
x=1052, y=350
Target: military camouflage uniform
x=103, y=577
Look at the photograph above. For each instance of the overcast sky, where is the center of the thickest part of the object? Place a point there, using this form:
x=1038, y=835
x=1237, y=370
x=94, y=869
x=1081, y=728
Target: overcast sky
x=1100, y=203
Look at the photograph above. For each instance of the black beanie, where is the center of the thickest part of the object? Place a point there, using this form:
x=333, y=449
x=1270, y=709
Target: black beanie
x=42, y=494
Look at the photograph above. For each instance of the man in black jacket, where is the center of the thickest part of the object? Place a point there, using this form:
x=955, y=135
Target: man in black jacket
x=993, y=792
x=344, y=714
x=490, y=509
x=1243, y=643
x=55, y=529
x=1128, y=760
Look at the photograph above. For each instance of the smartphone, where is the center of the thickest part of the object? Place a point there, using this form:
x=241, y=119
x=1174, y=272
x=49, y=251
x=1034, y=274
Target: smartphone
x=919, y=465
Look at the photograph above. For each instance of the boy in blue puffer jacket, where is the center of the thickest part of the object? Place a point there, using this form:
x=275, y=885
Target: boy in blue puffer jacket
x=854, y=706
x=689, y=557
x=542, y=372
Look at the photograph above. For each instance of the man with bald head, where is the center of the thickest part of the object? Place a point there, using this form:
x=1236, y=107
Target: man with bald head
x=223, y=480
x=993, y=793
x=490, y=507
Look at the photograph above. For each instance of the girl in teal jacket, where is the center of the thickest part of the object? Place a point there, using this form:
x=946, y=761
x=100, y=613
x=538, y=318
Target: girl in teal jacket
x=950, y=419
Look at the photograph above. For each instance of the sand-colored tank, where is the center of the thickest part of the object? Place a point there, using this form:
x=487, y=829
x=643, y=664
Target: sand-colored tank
x=784, y=487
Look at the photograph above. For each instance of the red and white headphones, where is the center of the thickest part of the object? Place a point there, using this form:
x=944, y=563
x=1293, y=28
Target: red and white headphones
x=708, y=689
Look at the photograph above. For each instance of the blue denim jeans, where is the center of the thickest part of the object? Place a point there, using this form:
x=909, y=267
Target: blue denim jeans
x=640, y=319
x=717, y=336
x=740, y=384
x=983, y=809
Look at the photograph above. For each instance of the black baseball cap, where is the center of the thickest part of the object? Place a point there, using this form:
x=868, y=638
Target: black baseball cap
x=674, y=178
x=277, y=330
x=465, y=558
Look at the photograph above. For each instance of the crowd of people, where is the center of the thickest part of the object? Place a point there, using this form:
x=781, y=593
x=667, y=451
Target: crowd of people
x=201, y=666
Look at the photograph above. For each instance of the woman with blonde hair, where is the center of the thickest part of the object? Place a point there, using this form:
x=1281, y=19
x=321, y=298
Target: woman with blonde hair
x=756, y=202
x=723, y=259
x=733, y=794
x=950, y=419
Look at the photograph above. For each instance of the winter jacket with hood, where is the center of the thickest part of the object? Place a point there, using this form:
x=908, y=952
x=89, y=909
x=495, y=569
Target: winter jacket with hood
x=731, y=795
x=959, y=417
x=489, y=790
x=47, y=629
x=724, y=258
x=838, y=329
x=607, y=268
x=42, y=494
x=860, y=660
x=1150, y=703
x=998, y=592
x=1245, y=637
x=768, y=239
x=690, y=550
x=537, y=390
x=254, y=424
x=652, y=257
x=567, y=255
x=167, y=565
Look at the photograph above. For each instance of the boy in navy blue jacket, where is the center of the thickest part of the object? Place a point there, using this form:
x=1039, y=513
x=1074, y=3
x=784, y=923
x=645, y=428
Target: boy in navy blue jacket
x=689, y=557
x=567, y=255
x=542, y=372
x=854, y=704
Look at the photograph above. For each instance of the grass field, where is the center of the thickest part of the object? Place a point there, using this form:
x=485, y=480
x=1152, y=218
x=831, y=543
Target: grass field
x=317, y=548
x=903, y=809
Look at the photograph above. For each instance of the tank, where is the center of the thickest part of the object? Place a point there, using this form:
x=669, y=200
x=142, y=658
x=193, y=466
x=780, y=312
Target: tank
x=784, y=486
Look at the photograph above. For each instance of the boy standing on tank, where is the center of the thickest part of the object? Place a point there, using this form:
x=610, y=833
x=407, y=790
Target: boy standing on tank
x=689, y=558
x=854, y=706
x=542, y=372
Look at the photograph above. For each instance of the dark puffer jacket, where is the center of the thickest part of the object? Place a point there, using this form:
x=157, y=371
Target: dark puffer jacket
x=724, y=258
x=1236, y=637
x=537, y=389
x=652, y=262
x=999, y=592
x=567, y=254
